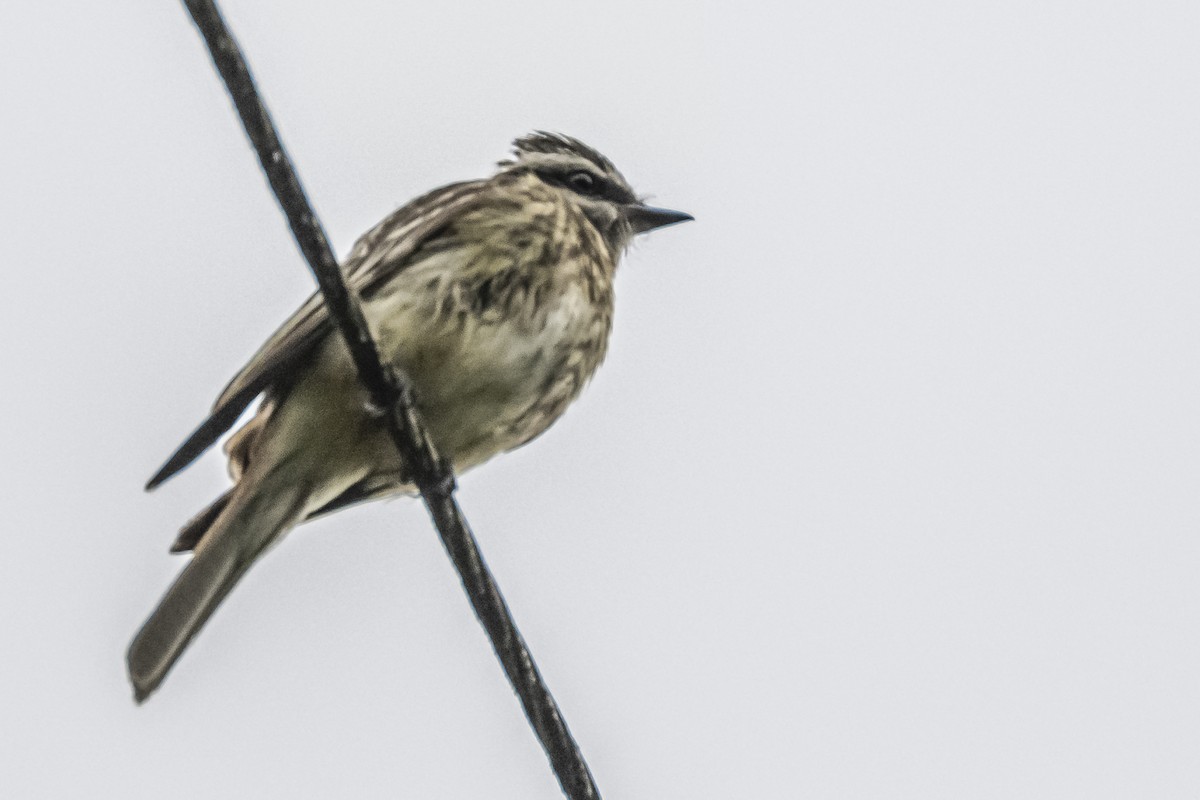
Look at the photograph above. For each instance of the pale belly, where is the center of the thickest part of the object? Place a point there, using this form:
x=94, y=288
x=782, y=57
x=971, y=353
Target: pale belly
x=486, y=384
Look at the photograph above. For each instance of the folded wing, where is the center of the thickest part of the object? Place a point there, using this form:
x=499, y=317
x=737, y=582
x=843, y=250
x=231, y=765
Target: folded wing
x=378, y=256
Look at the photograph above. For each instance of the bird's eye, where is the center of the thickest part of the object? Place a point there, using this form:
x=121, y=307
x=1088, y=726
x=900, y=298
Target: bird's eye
x=582, y=182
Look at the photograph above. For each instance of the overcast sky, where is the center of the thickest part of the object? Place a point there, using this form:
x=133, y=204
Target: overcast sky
x=890, y=487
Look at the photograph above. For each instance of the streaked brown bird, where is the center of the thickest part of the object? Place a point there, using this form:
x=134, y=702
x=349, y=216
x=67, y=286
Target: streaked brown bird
x=493, y=296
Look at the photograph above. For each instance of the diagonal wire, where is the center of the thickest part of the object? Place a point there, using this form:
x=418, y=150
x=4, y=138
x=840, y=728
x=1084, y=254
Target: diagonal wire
x=391, y=391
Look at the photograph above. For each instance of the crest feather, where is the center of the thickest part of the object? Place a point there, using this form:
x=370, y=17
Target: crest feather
x=545, y=142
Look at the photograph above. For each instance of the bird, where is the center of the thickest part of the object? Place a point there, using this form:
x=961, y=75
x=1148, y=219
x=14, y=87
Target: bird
x=494, y=297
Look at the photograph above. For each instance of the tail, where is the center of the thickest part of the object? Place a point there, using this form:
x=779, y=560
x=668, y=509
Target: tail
x=245, y=526
x=194, y=529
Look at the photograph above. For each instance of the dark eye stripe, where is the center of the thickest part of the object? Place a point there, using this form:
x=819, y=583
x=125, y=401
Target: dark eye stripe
x=601, y=186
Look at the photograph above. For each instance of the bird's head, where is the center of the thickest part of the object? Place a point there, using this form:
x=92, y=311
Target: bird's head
x=592, y=181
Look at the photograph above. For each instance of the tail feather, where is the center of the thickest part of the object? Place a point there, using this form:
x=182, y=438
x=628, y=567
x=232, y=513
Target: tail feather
x=194, y=529
x=187, y=605
x=239, y=533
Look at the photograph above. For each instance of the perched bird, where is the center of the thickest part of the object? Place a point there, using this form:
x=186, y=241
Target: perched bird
x=493, y=296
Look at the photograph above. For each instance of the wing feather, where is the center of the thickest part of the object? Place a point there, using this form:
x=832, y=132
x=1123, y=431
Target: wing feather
x=377, y=257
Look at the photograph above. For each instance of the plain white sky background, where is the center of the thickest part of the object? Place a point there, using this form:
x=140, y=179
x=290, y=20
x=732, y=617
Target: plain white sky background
x=889, y=489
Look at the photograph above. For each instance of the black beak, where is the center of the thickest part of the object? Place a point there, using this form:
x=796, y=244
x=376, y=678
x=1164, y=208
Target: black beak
x=647, y=218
